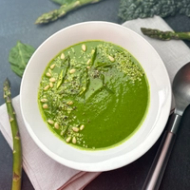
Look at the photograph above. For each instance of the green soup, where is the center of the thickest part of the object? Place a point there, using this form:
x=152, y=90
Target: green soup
x=94, y=95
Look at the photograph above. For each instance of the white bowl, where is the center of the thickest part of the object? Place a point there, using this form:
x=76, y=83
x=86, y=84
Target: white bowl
x=141, y=141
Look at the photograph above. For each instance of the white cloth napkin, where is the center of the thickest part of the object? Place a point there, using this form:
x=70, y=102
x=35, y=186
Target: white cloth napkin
x=46, y=174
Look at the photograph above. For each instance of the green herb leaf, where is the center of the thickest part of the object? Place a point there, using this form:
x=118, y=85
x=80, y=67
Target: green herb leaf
x=19, y=57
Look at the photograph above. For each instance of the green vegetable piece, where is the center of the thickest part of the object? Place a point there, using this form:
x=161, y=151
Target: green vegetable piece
x=85, y=87
x=108, y=89
x=63, y=71
x=93, y=56
x=99, y=64
x=64, y=131
x=84, y=82
x=103, y=65
x=63, y=2
x=132, y=9
x=165, y=35
x=17, y=150
x=19, y=57
x=60, y=79
x=67, y=59
x=67, y=6
x=102, y=77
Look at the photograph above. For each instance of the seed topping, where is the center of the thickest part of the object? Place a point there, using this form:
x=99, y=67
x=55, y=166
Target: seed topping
x=51, y=84
x=50, y=121
x=75, y=129
x=62, y=56
x=46, y=87
x=88, y=62
x=83, y=47
x=70, y=103
x=74, y=140
x=43, y=100
x=52, y=66
x=56, y=125
x=48, y=74
x=111, y=58
x=81, y=127
x=45, y=106
x=52, y=79
x=72, y=71
x=68, y=139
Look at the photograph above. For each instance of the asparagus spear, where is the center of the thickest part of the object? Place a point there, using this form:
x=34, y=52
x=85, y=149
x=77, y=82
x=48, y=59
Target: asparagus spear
x=17, y=152
x=63, y=10
x=165, y=35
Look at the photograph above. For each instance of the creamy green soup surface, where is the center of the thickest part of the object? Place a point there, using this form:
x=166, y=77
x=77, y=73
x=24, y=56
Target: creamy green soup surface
x=94, y=95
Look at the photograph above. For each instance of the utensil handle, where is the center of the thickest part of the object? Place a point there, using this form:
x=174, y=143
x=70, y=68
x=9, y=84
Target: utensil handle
x=157, y=169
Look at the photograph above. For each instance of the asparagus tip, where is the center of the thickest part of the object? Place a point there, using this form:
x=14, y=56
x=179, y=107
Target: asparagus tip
x=6, y=82
x=144, y=30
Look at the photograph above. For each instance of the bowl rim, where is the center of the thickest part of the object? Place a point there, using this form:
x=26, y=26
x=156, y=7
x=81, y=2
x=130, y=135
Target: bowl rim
x=121, y=160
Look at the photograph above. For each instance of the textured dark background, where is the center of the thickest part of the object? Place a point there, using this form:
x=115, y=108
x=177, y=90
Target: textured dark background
x=17, y=19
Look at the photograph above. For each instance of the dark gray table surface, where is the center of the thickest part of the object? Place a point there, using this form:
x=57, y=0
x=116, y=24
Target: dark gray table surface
x=17, y=23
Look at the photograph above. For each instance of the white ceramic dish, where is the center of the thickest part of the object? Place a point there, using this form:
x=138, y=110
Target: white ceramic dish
x=138, y=144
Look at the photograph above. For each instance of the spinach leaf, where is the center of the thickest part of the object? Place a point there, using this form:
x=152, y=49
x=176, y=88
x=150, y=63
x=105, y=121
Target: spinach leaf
x=19, y=57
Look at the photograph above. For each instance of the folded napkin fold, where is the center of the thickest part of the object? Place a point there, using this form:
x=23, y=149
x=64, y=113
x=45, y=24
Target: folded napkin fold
x=45, y=173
